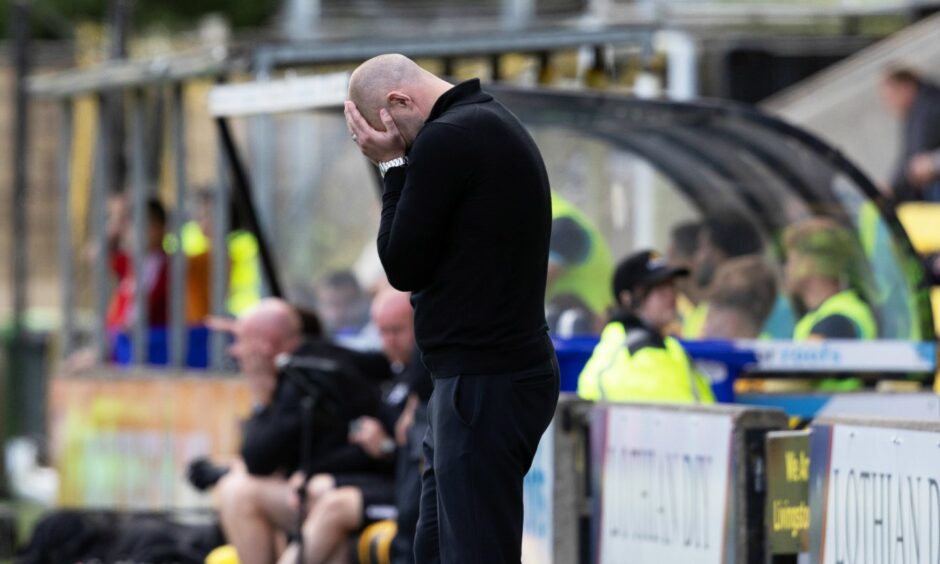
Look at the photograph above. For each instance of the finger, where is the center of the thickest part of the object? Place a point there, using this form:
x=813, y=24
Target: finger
x=346, y=114
x=221, y=324
x=359, y=123
x=388, y=122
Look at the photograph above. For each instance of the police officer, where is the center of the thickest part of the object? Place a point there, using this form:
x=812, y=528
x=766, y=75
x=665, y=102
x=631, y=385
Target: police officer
x=635, y=360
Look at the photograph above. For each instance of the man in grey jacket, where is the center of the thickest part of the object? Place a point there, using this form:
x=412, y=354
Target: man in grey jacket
x=917, y=102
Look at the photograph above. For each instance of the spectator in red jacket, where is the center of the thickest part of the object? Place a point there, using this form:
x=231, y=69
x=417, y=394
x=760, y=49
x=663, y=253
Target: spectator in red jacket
x=154, y=277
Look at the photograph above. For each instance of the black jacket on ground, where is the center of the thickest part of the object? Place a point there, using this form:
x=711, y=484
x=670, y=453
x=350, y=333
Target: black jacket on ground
x=466, y=228
x=272, y=435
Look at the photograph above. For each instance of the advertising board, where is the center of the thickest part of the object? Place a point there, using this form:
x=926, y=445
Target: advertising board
x=878, y=494
x=665, y=483
x=125, y=443
x=787, y=509
x=538, y=499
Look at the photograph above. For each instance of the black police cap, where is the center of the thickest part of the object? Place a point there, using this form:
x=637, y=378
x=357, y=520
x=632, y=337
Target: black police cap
x=644, y=269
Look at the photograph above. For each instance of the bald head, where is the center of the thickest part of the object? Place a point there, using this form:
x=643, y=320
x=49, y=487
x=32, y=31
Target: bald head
x=272, y=321
x=394, y=318
x=399, y=85
x=389, y=303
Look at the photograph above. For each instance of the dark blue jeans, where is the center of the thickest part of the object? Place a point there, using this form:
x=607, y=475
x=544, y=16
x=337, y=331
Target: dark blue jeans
x=480, y=443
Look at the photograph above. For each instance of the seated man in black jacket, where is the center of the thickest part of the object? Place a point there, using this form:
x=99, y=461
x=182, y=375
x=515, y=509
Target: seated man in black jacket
x=346, y=502
x=256, y=497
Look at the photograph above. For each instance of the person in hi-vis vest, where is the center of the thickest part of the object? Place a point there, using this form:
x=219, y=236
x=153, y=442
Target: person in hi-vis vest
x=823, y=275
x=577, y=292
x=635, y=360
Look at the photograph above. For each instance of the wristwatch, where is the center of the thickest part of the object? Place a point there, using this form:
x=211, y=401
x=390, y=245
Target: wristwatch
x=394, y=163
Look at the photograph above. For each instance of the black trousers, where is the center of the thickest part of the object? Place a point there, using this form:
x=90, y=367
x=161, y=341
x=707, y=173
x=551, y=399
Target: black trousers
x=480, y=443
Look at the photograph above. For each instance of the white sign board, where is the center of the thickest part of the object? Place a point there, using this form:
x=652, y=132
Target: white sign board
x=919, y=407
x=843, y=356
x=664, y=487
x=538, y=490
x=883, y=497
x=293, y=94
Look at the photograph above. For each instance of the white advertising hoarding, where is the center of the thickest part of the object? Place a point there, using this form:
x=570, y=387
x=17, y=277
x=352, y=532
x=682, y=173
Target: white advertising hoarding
x=292, y=94
x=843, y=355
x=538, y=489
x=882, y=496
x=665, y=481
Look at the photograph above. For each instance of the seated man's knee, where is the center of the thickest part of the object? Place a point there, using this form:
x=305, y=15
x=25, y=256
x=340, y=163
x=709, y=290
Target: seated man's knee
x=318, y=486
x=236, y=490
x=342, y=507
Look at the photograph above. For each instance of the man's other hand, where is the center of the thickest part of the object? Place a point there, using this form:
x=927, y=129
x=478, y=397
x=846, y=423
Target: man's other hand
x=922, y=168
x=406, y=421
x=370, y=435
x=377, y=146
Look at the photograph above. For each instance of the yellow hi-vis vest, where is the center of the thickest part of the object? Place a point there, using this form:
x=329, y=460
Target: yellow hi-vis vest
x=244, y=289
x=590, y=280
x=244, y=286
x=693, y=322
x=626, y=368
x=847, y=304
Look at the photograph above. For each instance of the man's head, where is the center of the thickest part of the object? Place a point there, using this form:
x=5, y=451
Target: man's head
x=205, y=210
x=645, y=285
x=899, y=89
x=819, y=249
x=118, y=215
x=397, y=84
x=683, y=245
x=740, y=299
x=156, y=224
x=394, y=318
x=723, y=236
x=269, y=328
x=340, y=301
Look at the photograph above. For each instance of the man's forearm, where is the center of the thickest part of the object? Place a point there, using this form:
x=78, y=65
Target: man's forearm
x=401, y=250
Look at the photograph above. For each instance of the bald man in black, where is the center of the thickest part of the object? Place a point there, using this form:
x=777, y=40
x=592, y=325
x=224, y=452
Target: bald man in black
x=466, y=222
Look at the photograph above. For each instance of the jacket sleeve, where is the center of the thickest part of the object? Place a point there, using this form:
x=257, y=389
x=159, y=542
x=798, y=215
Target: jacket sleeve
x=272, y=435
x=349, y=459
x=418, y=205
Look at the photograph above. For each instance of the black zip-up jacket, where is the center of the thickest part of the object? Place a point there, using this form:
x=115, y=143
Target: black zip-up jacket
x=466, y=227
x=272, y=435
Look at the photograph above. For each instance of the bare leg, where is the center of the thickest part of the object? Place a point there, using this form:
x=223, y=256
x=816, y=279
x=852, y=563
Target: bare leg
x=253, y=510
x=336, y=515
x=340, y=555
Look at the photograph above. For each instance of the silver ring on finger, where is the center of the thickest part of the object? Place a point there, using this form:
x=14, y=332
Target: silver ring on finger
x=355, y=138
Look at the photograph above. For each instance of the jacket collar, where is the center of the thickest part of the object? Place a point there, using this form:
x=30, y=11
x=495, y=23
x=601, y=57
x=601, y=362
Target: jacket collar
x=632, y=322
x=467, y=92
